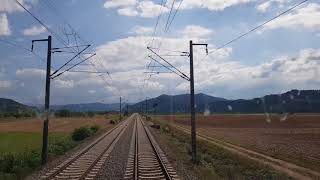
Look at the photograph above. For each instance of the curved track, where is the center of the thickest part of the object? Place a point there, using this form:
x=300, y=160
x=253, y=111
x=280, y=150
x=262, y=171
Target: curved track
x=87, y=163
x=146, y=159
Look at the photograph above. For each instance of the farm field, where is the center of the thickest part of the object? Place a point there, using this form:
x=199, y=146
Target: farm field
x=295, y=138
x=20, y=135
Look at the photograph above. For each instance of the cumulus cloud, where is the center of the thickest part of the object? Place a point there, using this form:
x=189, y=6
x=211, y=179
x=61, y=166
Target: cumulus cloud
x=263, y=7
x=32, y=72
x=141, y=30
x=4, y=25
x=126, y=59
x=306, y=17
x=148, y=9
x=276, y=75
x=212, y=5
x=5, y=84
x=195, y=31
x=34, y=31
x=145, y=9
x=119, y=3
x=11, y=6
x=128, y=11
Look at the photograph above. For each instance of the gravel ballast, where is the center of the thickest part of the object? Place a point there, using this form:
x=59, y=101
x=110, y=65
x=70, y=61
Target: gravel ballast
x=115, y=165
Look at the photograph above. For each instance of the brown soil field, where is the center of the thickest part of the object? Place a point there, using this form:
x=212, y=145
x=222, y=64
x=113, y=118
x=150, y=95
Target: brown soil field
x=295, y=138
x=55, y=124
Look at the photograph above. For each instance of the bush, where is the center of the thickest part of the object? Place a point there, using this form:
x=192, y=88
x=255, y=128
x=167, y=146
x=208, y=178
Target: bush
x=61, y=145
x=17, y=166
x=90, y=114
x=81, y=133
x=63, y=113
x=94, y=128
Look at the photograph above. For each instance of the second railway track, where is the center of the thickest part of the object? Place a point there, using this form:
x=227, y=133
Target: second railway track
x=146, y=159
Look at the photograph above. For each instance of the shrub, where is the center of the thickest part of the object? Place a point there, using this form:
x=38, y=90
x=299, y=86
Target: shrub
x=63, y=113
x=94, y=128
x=90, y=114
x=81, y=133
x=17, y=166
x=60, y=146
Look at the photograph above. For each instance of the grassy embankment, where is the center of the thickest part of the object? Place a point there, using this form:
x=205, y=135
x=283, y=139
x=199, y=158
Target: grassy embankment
x=213, y=161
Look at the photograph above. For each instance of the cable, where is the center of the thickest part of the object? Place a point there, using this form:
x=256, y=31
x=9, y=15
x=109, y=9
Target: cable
x=182, y=74
x=44, y=25
x=259, y=26
x=157, y=22
x=165, y=29
x=174, y=15
x=177, y=51
x=25, y=49
x=76, y=35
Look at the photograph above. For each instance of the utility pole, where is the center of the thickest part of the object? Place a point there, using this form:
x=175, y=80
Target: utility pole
x=127, y=109
x=44, y=153
x=192, y=103
x=146, y=107
x=120, y=109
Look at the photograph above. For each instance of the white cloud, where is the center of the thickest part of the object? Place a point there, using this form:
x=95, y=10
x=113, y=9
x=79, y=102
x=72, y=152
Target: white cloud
x=263, y=7
x=141, y=30
x=145, y=9
x=195, y=31
x=5, y=84
x=128, y=11
x=119, y=3
x=4, y=25
x=148, y=9
x=306, y=17
x=10, y=6
x=63, y=84
x=212, y=5
x=30, y=72
x=92, y=91
x=34, y=31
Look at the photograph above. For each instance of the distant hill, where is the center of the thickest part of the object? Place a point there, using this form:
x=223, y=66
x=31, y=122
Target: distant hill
x=11, y=106
x=176, y=103
x=96, y=107
x=292, y=101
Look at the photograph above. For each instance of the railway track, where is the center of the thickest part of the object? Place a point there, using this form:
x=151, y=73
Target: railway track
x=87, y=163
x=146, y=160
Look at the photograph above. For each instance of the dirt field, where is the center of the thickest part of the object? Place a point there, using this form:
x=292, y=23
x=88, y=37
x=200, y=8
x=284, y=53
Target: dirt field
x=295, y=138
x=55, y=124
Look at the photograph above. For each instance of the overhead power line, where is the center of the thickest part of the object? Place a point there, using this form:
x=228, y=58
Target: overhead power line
x=167, y=23
x=24, y=49
x=175, y=69
x=175, y=13
x=157, y=22
x=259, y=26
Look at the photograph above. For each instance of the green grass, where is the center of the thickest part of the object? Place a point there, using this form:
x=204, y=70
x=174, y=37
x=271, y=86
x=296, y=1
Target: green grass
x=20, y=152
x=214, y=162
x=19, y=142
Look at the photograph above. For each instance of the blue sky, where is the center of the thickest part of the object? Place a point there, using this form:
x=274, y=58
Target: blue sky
x=282, y=55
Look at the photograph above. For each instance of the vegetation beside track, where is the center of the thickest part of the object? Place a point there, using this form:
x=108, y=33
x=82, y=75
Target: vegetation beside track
x=20, y=151
x=213, y=161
